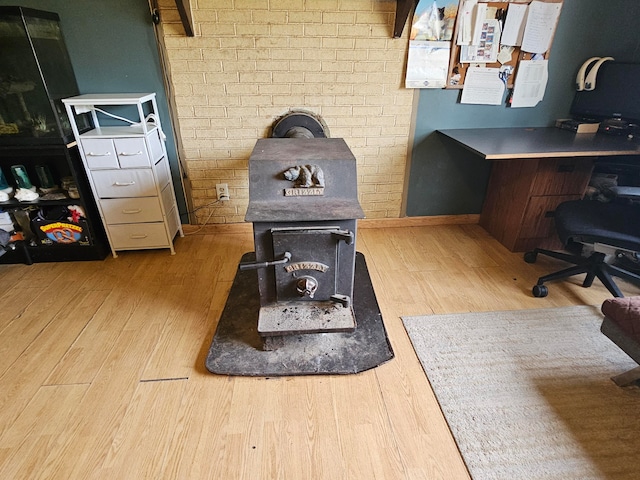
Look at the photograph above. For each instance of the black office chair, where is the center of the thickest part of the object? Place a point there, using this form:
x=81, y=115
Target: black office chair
x=610, y=230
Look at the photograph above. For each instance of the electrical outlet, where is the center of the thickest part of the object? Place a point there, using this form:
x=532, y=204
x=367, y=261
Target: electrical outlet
x=222, y=190
x=82, y=109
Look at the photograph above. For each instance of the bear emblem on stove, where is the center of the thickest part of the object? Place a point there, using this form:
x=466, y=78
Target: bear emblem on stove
x=305, y=175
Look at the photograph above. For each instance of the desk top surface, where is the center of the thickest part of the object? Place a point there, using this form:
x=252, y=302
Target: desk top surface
x=542, y=142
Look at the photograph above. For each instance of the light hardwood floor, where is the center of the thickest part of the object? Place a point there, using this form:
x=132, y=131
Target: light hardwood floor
x=102, y=365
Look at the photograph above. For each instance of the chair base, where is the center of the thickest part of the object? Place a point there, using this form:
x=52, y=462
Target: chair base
x=594, y=266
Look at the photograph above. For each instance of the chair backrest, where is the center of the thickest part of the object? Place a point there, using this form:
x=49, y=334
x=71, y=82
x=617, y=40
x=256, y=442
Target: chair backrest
x=590, y=221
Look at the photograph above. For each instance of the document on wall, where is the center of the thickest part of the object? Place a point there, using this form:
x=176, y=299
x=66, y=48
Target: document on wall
x=542, y=19
x=514, y=24
x=479, y=16
x=427, y=65
x=531, y=83
x=483, y=86
x=466, y=17
x=430, y=43
x=488, y=46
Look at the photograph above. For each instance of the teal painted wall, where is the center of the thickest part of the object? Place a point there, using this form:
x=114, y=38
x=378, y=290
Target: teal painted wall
x=444, y=179
x=113, y=49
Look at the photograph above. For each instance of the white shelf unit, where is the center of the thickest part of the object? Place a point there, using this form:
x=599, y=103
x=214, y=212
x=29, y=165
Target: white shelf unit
x=128, y=170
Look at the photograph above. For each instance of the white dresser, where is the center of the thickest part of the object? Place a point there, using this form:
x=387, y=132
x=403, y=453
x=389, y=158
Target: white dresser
x=126, y=163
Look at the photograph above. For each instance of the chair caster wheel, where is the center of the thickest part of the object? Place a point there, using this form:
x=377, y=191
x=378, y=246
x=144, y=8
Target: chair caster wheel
x=540, y=291
x=530, y=257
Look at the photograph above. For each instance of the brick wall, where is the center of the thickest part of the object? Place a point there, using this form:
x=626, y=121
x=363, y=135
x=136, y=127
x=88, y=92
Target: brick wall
x=251, y=61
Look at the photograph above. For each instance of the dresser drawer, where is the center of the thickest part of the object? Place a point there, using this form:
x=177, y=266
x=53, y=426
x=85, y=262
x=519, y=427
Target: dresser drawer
x=538, y=217
x=562, y=176
x=99, y=153
x=155, y=145
x=132, y=152
x=131, y=210
x=123, y=152
x=166, y=197
x=138, y=235
x=124, y=183
x=163, y=172
x=173, y=220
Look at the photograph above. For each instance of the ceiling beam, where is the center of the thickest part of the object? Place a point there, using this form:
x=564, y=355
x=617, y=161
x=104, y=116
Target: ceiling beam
x=186, y=15
x=403, y=9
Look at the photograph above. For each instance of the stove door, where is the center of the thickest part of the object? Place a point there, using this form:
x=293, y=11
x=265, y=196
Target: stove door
x=313, y=270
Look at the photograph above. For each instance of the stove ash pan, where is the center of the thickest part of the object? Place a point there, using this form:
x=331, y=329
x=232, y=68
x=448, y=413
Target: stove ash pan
x=304, y=208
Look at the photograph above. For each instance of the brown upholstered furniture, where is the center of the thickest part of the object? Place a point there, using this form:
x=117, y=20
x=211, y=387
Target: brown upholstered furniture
x=622, y=325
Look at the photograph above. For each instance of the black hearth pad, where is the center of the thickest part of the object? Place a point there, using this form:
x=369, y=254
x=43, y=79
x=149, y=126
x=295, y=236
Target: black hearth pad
x=237, y=349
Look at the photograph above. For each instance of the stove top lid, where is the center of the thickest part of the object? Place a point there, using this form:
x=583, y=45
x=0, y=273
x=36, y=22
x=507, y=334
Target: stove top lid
x=302, y=179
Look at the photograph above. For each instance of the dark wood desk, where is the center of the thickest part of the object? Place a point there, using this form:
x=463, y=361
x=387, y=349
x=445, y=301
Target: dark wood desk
x=533, y=171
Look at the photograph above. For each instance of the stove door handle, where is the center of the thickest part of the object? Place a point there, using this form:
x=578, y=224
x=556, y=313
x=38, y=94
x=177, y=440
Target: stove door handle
x=346, y=235
x=343, y=300
x=255, y=266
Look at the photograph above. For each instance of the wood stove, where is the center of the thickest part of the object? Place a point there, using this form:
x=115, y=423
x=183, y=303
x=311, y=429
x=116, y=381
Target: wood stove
x=303, y=203
x=302, y=303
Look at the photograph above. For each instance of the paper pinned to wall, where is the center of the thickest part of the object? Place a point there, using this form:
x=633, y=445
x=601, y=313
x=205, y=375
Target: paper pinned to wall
x=430, y=43
x=488, y=46
x=466, y=17
x=514, y=25
x=531, y=83
x=479, y=17
x=483, y=86
x=427, y=65
x=542, y=19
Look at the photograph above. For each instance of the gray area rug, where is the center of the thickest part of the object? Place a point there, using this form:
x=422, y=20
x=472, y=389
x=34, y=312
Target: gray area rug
x=527, y=393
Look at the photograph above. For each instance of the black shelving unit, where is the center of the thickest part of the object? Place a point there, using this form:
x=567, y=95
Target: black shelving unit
x=63, y=161
x=35, y=75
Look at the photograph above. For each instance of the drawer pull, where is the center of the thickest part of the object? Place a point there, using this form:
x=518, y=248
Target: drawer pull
x=136, y=210
x=125, y=154
x=92, y=154
x=138, y=236
x=124, y=184
x=566, y=168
